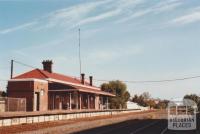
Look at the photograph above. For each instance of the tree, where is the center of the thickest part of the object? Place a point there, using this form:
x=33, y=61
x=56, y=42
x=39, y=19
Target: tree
x=146, y=95
x=151, y=103
x=120, y=90
x=143, y=99
x=3, y=94
x=162, y=104
x=195, y=98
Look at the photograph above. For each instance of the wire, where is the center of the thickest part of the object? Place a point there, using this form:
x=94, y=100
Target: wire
x=21, y=63
x=125, y=81
x=155, y=81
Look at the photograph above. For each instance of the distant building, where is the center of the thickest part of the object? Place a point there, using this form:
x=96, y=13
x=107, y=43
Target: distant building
x=46, y=90
x=133, y=105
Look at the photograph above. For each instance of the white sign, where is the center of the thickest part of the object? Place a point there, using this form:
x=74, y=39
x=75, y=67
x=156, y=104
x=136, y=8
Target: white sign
x=182, y=115
x=182, y=122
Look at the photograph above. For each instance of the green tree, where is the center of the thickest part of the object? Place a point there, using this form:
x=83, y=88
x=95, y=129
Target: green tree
x=120, y=90
x=142, y=99
x=145, y=100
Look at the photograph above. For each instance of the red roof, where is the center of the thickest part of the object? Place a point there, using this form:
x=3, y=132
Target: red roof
x=41, y=74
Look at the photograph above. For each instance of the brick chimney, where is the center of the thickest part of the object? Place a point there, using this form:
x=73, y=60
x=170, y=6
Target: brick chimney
x=91, y=80
x=83, y=78
x=47, y=65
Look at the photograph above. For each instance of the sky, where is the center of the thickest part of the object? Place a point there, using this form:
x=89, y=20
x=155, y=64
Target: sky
x=128, y=40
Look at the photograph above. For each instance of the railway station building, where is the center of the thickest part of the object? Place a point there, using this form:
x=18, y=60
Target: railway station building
x=45, y=90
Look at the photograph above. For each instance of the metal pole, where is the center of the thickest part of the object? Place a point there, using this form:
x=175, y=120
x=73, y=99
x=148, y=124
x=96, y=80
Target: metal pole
x=79, y=33
x=11, y=69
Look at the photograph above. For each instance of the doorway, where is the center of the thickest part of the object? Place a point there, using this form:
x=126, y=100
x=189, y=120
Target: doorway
x=37, y=101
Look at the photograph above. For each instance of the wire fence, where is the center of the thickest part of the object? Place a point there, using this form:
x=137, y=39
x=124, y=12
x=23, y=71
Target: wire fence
x=8, y=104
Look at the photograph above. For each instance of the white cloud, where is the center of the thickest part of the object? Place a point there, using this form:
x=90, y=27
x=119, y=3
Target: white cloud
x=186, y=19
x=93, y=12
x=167, y=5
x=134, y=15
x=163, y=6
x=100, y=17
x=81, y=14
x=128, y=3
x=73, y=14
x=20, y=27
x=62, y=17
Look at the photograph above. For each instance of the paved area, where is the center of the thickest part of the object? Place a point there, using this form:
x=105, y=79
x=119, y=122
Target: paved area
x=144, y=126
x=137, y=127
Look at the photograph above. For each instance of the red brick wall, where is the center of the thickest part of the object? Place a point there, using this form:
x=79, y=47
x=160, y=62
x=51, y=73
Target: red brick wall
x=26, y=89
x=22, y=89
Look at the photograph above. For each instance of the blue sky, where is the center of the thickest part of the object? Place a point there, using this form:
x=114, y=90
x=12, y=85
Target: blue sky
x=120, y=39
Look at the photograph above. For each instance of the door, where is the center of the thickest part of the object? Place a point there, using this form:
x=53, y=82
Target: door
x=36, y=101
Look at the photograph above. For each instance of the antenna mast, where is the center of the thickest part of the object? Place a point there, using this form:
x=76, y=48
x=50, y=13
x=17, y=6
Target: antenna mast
x=79, y=33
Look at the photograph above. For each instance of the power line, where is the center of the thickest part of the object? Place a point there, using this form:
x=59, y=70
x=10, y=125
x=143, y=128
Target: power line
x=21, y=63
x=154, y=81
x=125, y=81
x=18, y=62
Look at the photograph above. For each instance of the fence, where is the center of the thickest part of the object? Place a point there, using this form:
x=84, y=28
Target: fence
x=8, y=104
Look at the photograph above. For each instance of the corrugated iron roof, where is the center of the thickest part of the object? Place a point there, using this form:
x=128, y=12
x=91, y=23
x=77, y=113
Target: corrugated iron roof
x=76, y=82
